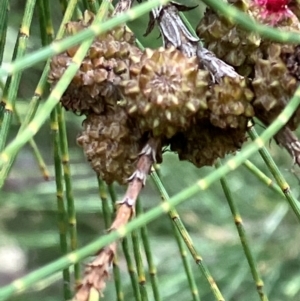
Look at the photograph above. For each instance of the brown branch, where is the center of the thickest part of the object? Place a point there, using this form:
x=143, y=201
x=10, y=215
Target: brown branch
x=122, y=6
x=174, y=33
x=217, y=68
x=97, y=272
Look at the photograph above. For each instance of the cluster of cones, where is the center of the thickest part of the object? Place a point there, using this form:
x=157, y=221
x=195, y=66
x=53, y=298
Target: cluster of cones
x=196, y=101
x=129, y=95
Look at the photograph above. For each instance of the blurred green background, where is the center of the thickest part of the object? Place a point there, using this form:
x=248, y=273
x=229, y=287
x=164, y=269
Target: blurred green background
x=29, y=235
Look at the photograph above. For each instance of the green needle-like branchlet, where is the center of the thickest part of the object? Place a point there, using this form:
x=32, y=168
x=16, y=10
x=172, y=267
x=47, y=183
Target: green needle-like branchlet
x=107, y=221
x=173, y=214
x=136, y=243
x=64, y=152
x=243, y=237
x=65, y=161
x=12, y=83
x=282, y=183
x=262, y=177
x=61, y=212
x=41, y=87
x=131, y=269
x=180, y=243
x=3, y=25
x=149, y=256
x=37, y=154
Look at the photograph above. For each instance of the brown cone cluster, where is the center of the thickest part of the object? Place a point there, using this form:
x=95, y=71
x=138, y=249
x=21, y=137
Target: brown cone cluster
x=112, y=144
x=165, y=90
x=273, y=86
x=272, y=69
x=94, y=87
x=128, y=94
x=238, y=47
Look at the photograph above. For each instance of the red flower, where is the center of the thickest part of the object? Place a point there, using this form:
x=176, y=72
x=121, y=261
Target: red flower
x=273, y=11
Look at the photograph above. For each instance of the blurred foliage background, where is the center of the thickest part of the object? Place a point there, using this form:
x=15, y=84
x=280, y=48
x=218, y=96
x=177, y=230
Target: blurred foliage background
x=29, y=235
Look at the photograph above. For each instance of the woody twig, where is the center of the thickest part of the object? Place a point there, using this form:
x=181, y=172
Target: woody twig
x=174, y=33
x=97, y=272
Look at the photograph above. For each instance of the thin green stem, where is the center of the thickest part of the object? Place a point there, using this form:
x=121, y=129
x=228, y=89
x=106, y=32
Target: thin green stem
x=48, y=22
x=42, y=20
x=107, y=220
x=148, y=252
x=270, y=227
x=277, y=174
x=12, y=83
x=65, y=161
x=4, y=6
x=188, y=241
x=39, y=158
x=186, y=263
x=62, y=155
x=131, y=270
x=61, y=212
x=41, y=87
x=262, y=177
x=139, y=265
x=243, y=237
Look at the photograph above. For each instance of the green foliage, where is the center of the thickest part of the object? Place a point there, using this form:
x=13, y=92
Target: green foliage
x=42, y=203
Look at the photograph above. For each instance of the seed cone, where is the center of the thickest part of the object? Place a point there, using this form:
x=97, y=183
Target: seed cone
x=203, y=143
x=165, y=91
x=229, y=42
x=274, y=85
x=95, y=85
x=236, y=46
x=273, y=67
x=230, y=103
x=112, y=144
